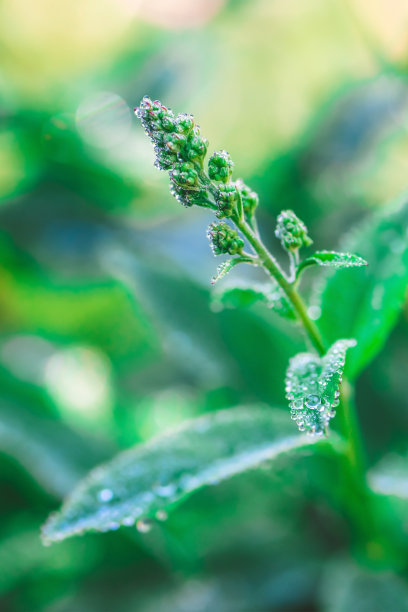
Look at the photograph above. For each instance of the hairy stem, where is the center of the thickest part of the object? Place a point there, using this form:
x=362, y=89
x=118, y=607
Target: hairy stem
x=272, y=266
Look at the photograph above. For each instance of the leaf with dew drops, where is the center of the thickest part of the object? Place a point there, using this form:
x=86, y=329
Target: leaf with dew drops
x=243, y=296
x=226, y=266
x=333, y=260
x=141, y=484
x=312, y=387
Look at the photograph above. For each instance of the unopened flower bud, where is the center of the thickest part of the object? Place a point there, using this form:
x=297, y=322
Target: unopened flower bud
x=226, y=199
x=196, y=147
x=188, y=197
x=185, y=123
x=220, y=166
x=291, y=231
x=249, y=198
x=155, y=118
x=224, y=239
x=184, y=175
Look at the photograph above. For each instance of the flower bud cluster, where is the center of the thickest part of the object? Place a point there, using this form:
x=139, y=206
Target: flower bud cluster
x=220, y=166
x=226, y=199
x=291, y=231
x=178, y=145
x=180, y=149
x=224, y=239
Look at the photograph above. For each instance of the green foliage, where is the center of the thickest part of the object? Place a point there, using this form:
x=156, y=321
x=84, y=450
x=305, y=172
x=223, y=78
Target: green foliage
x=145, y=481
x=348, y=587
x=333, y=260
x=313, y=387
x=244, y=296
x=368, y=309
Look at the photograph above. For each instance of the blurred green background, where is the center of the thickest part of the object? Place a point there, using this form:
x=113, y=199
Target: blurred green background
x=107, y=335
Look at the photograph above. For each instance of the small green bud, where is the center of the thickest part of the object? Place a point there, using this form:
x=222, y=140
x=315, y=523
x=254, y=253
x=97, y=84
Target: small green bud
x=220, y=166
x=185, y=123
x=155, y=118
x=165, y=160
x=188, y=197
x=196, y=147
x=249, y=198
x=224, y=239
x=173, y=142
x=291, y=231
x=226, y=199
x=184, y=175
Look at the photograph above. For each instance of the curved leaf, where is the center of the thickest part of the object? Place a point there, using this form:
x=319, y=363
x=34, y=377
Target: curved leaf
x=368, y=308
x=152, y=477
x=312, y=386
x=333, y=260
x=226, y=266
x=242, y=297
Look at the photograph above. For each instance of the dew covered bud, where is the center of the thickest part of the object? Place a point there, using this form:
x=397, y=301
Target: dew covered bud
x=220, y=166
x=291, y=231
x=224, y=239
x=185, y=123
x=155, y=117
x=188, y=197
x=184, y=175
x=174, y=142
x=249, y=198
x=165, y=159
x=226, y=199
x=196, y=146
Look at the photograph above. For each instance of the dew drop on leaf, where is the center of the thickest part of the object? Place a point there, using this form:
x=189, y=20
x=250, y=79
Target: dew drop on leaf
x=105, y=495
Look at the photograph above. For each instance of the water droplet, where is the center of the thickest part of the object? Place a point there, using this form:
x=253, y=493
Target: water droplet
x=105, y=495
x=312, y=401
x=165, y=490
x=144, y=525
x=128, y=521
x=113, y=526
x=162, y=515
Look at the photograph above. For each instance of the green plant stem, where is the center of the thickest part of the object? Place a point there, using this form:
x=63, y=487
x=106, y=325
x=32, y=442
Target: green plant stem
x=272, y=266
x=351, y=430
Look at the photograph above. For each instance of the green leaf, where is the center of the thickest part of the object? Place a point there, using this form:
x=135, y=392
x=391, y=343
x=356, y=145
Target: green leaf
x=312, y=386
x=226, y=266
x=349, y=587
x=333, y=260
x=153, y=477
x=53, y=454
x=244, y=296
x=367, y=307
x=390, y=476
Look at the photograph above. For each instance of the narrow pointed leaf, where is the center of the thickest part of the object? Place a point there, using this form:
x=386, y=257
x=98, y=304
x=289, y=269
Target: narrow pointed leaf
x=312, y=386
x=333, y=260
x=159, y=474
x=226, y=266
x=242, y=297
